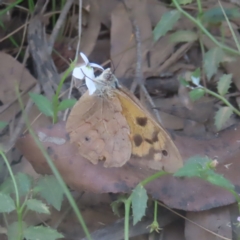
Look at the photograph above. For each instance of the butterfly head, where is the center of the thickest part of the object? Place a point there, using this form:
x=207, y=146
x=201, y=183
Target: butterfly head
x=106, y=82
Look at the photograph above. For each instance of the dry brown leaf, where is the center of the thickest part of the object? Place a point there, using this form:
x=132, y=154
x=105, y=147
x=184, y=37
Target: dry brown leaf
x=12, y=74
x=123, y=51
x=80, y=174
x=216, y=220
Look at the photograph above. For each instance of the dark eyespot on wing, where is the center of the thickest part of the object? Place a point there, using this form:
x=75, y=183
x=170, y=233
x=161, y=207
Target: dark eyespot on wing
x=155, y=137
x=164, y=152
x=137, y=140
x=142, y=121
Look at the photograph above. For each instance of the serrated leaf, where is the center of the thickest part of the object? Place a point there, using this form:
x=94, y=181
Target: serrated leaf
x=222, y=115
x=224, y=84
x=51, y=191
x=196, y=94
x=139, y=203
x=219, y=180
x=43, y=104
x=166, y=24
x=41, y=233
x=193, y=167
x=37, y=206
x=66, y=103
x=215, y=15
x=13, y=230
x=23, y=181
x=212, y=60
x=6, y=203
x=183, y=36
x=3, y=124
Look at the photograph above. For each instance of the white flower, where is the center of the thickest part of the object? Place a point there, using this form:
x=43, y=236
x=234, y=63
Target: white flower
x=86, y=71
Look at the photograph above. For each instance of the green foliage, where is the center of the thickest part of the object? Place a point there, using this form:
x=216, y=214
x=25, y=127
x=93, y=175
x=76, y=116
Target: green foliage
x=6, y=203
x=194, y=167
x=44, y=105
x=183, y=36
x=23, y=181
x=201, y=167
x=139, y=203
x=66, y=103
x=37, y=206
x=51, y=191
x=166, y=24
x=215, y=15
x=116, y=205
x=41, y=233
x=48, y=108
x=3, y=124
x=184, y=82
x=196, y=94
x=222, y=115
x=224, y=84
x=212, y=60
x=195, y=77
x=13, y=230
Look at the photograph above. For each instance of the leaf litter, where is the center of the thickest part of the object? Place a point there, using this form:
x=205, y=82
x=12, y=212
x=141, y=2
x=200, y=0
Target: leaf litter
x=107, y=31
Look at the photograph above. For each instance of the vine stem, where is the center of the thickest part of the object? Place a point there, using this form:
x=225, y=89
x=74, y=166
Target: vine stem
x=223, y=99
x=204, y=30
x=128, y=201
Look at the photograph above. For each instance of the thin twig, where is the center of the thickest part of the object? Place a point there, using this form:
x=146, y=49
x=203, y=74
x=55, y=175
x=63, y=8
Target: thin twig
x=139, y=75
x=77, y=52
x=59, y=24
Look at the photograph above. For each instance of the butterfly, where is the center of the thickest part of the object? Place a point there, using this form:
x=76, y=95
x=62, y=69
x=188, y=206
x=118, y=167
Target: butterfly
x=112, y=126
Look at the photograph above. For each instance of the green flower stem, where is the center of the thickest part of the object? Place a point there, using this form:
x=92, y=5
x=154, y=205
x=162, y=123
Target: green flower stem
x=127, y=203
x=155, y=210
x=223, y=99
x=55, y=101
x=54, y=170
x=204, y=30
x=200, y=11
x=18, y=209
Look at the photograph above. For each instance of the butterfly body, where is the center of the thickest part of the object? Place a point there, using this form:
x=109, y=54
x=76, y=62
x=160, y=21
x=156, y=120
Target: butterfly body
x=111, y=125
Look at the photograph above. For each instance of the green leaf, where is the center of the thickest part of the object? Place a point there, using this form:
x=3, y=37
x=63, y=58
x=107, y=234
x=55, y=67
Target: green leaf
x=139, y=203
x=215, y=15
x=196, y=94
x=37, y=206
x=183, y=36
x=193, y=167
x=222, y=115
x=3, y=124
x=51, y=191
x=116, y=205
x=23, y=181
x=6, y=203
x=219, y=180
x=41, y=233
x=13, y=230
x=212, y=60
x=196, y=76
x=184, y=82
x=43, y=104
x=66, y=103
x=166, y=24
x=224, y=84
